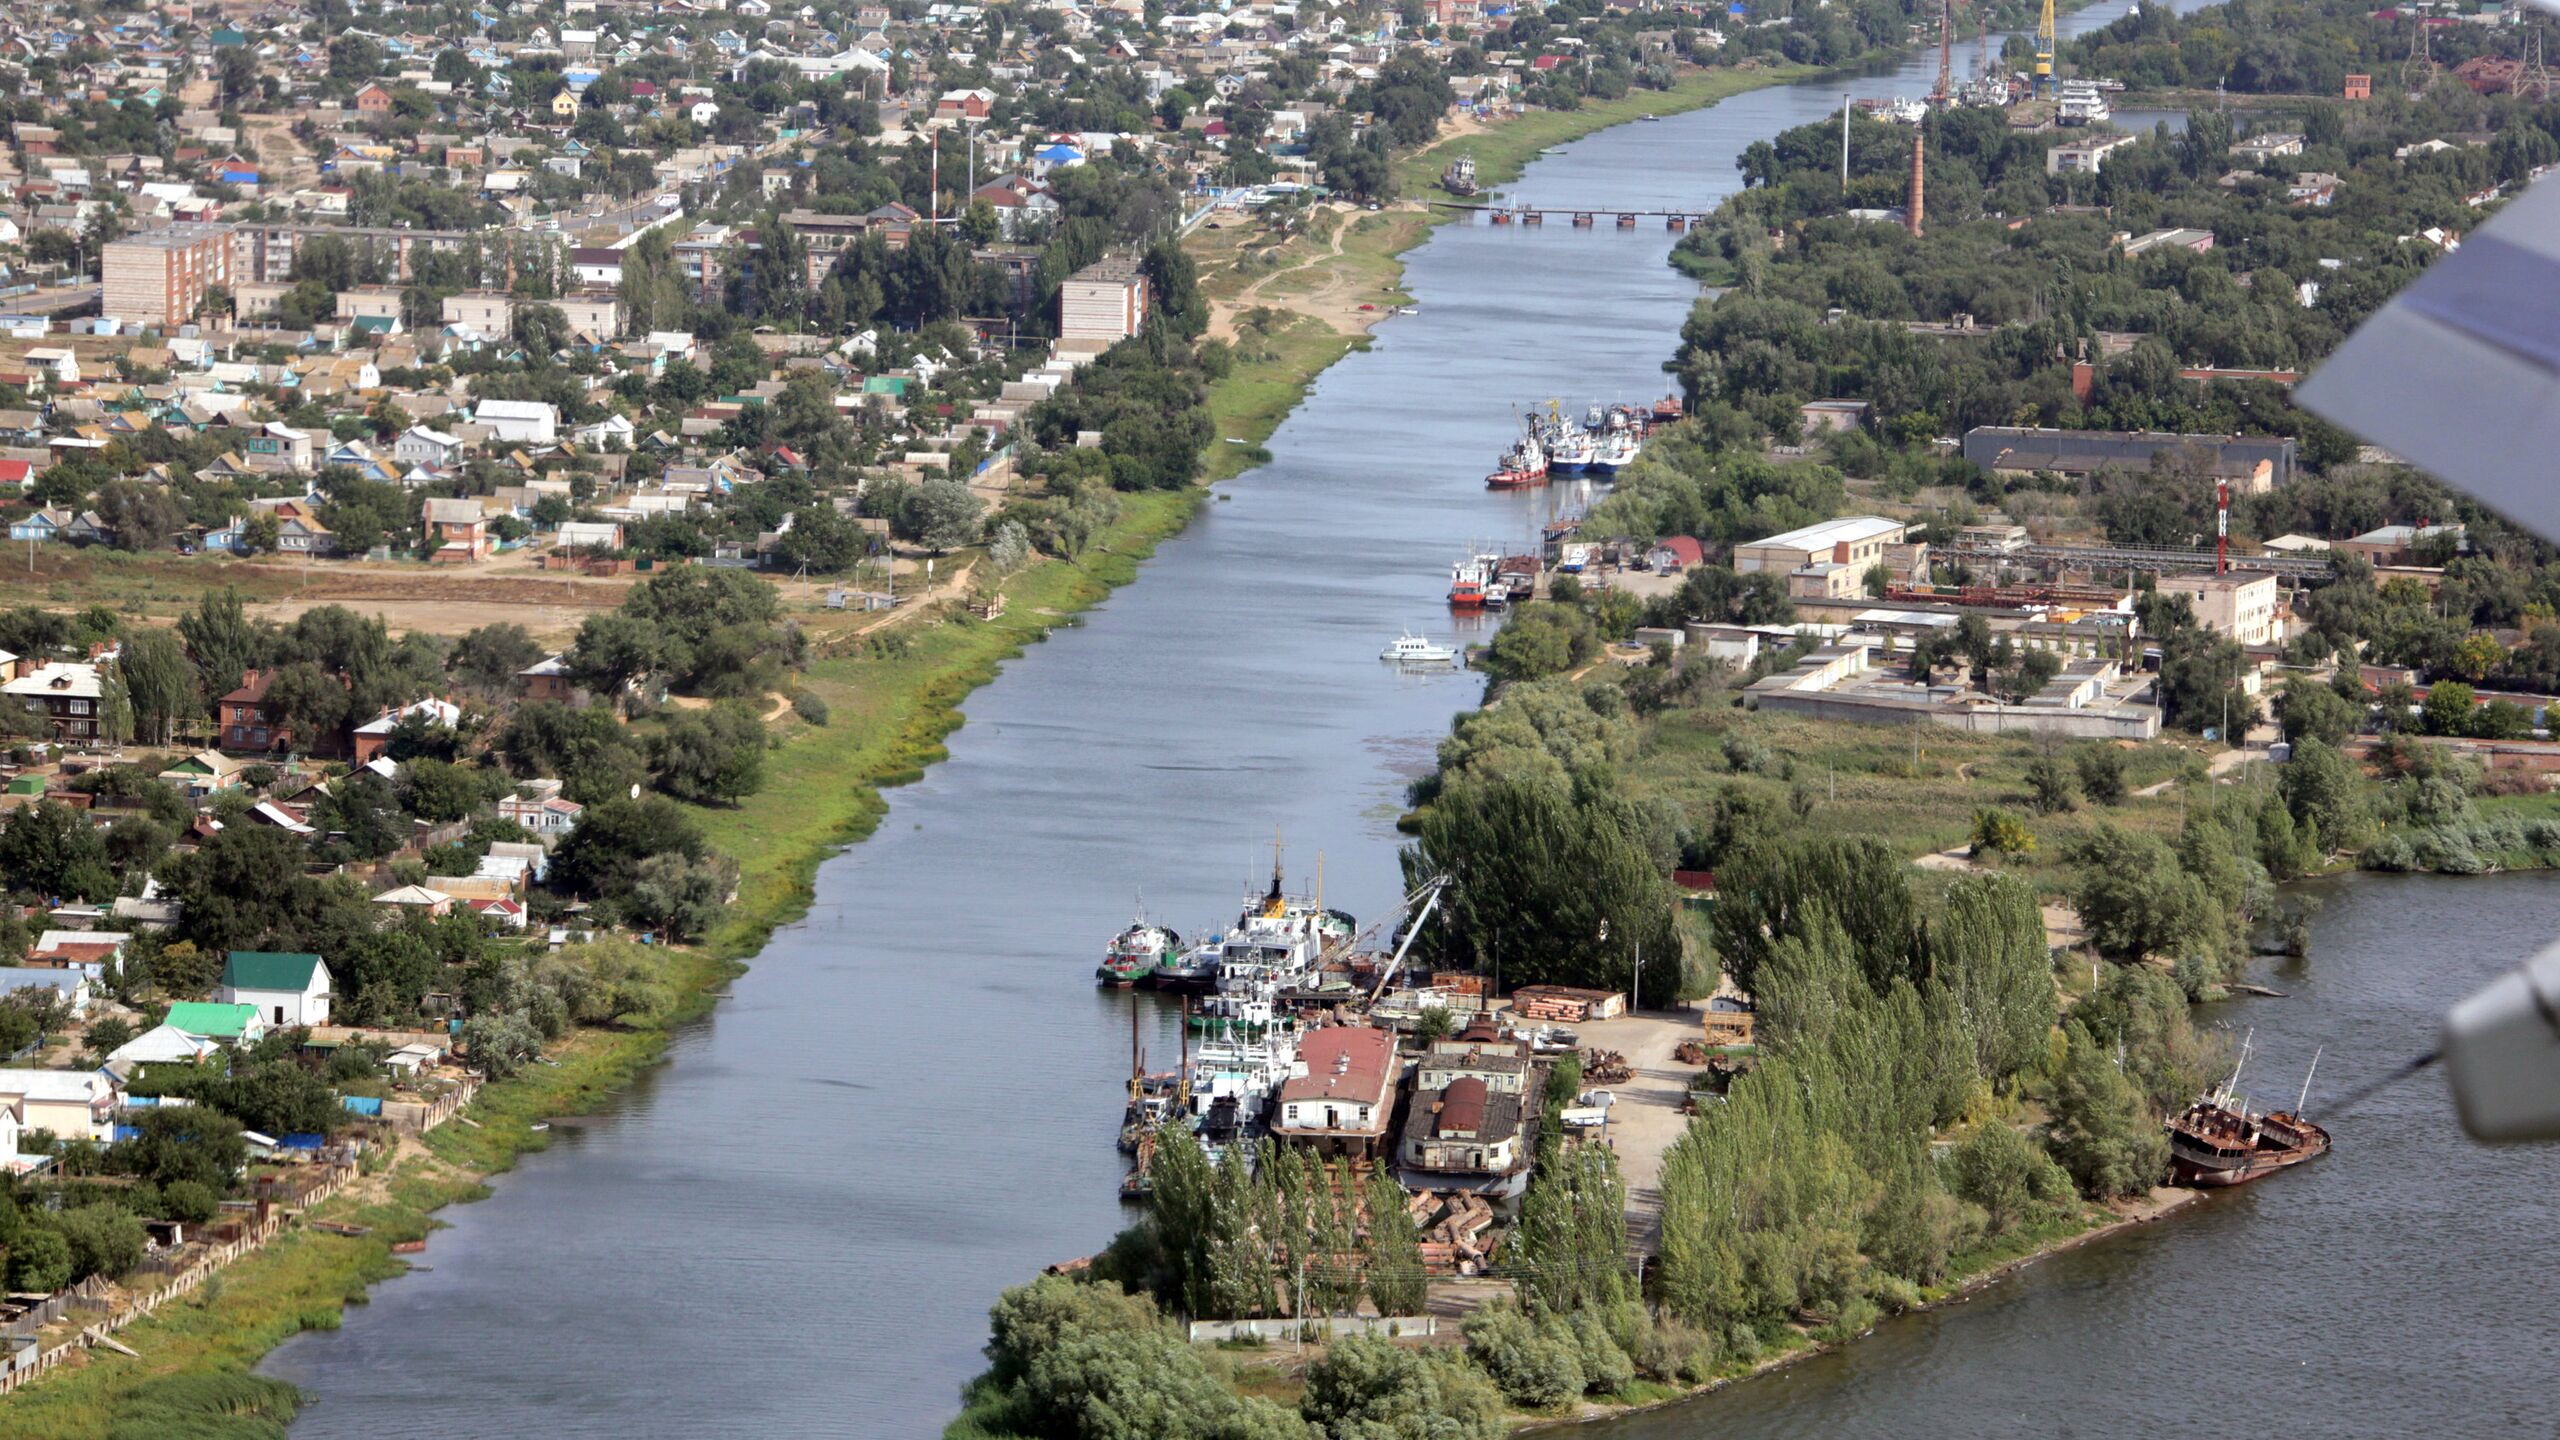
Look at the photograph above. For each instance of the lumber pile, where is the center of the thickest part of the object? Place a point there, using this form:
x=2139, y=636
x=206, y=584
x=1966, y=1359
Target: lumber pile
x=1458, y=1235
x=1551, y=1008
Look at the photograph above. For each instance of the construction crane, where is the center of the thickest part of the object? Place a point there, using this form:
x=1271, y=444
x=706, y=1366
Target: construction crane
x=2046, y=85
x=1945, y=93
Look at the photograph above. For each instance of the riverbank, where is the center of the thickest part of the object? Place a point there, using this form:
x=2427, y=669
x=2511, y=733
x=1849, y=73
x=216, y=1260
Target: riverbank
x=1968, y=1276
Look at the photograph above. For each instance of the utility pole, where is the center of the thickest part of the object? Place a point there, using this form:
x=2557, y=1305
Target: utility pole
x=1844, y=143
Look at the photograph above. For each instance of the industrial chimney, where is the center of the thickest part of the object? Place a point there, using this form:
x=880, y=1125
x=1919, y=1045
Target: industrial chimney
x=1916, y=185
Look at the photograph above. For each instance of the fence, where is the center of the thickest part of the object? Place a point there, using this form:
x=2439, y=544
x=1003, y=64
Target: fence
x=96, y=1294
x=1285, y=1328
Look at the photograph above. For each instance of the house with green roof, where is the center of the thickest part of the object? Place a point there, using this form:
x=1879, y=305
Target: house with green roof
x=288, y=989
x=236, y=1024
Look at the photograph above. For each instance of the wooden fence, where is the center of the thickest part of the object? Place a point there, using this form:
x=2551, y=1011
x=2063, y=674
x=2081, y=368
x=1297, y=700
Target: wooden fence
x=97, y=1295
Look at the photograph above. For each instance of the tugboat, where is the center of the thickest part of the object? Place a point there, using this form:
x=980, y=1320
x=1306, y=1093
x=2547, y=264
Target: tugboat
x=2219, y=1141
x=1521, y=466
x=1135, y=953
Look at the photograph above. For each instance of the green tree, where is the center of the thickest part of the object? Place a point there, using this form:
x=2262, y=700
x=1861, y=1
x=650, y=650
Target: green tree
x=2102, y=772
x=2136, y=900
x=2111, y=1145
x=2313, y=710
x=1374, y=1389
x=2009, y=1176
x=2449, y=708
x=1988, y=951
x=713, y=756
x=2320, y=786
x=490, y=657
x=222, y=640
x=2050, y=785
x=159, y=682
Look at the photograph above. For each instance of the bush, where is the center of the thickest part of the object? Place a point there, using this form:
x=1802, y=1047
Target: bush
x=2004, y=1172
x=809, y=707
x=1537, y=1364
x=1997, y=832
x=104, y=1240
x=1378, y=1390
x=189, y=1200
x=2101, y=770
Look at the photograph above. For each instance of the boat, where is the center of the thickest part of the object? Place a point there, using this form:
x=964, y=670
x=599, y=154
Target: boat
x=1469, y=579
x=1521, y=466
x=1193, y=971
x=1460, y=178
x=1135, y=952
x=1569, y=447
x=1667, y=410
x=2219, y=1141
x=1411, y=649
x=2081, y=102
x=1621, y=440
x=1648, y=115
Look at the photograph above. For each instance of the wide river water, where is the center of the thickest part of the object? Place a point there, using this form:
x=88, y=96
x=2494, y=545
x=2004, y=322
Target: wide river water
x=907, y=1104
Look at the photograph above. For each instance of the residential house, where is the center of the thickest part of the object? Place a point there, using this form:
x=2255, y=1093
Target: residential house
x=373, y=738
x=228, y=1023
x=291, y=989
x=1467, y=1136
x=459, y=531
x=532, y=422
x=71, y=1104
x=63, y=698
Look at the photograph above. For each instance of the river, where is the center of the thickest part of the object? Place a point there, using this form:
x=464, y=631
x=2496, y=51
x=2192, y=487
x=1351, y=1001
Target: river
x=907, y=1104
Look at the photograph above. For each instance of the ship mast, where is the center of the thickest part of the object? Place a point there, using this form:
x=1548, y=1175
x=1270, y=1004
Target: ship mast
x=2306, y=1081
x=2231, y=1087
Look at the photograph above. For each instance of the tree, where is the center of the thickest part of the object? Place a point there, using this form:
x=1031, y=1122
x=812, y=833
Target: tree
x=2101, y=768
x=2050, y=787
x=614, y=649
x=159, y=682
x=2136, y=901
x=244, y=882
x=2005, y=1173
x=678, y=897
x=181, y=1144
x=1988, y=953
x=822, y=541
x=1997, y=832
x=501, y=1042
x=2449, y=708
x=942, y=515
x=2320, y=787
x=714, y=756
x=490, y=657
x=222, y=640
x=600, y=858
x=437, y=792
x=2308, y=708
x=47, y=849
x=2100, y=1131
x=39, y=1259
x=308, y=701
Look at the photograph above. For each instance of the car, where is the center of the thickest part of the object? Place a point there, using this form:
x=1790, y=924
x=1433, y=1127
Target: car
x=1368, y=307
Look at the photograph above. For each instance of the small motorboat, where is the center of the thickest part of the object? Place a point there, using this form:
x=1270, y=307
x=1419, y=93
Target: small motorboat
x=1412, y=649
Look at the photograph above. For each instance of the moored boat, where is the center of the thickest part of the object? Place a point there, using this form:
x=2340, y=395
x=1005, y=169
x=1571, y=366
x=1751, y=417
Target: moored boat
x=1524, y=464
x=1135, y=952
x=1411, y=649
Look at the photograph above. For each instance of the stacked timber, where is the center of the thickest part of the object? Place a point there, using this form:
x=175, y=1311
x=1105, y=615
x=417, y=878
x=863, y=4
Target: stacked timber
x=1458, y=1235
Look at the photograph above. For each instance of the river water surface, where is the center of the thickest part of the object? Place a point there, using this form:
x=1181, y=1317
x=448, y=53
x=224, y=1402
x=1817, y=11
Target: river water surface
x=907, y=1105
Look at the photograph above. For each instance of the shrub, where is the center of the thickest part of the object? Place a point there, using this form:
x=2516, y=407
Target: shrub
x=809, y=707
x=1538, y=1365
x=189, y=1200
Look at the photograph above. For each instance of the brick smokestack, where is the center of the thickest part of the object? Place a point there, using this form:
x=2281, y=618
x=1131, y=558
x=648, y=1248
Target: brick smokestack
x=1916, y=182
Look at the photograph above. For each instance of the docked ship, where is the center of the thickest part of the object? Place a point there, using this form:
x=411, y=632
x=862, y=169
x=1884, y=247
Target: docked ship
x=2219, y=1141
x=1570, y=448
x=1621, y=440
x=1470, y=582
x=1134, y=953
x=1521, y=466
x=1460, y=178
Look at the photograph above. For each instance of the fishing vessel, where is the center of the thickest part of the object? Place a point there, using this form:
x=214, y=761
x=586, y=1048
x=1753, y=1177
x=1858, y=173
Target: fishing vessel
x=2219, y=1141
x=1460, y=178
x=1621, y=440
x=1411, y=649
x=1135, y=952
x=1570, y=448
x=1523, y=465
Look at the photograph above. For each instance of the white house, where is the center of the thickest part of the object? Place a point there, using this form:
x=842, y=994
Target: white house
x=287, y=989
x=162, y=1043
x=530, y=421
x=73, y=1104
x=419, y=445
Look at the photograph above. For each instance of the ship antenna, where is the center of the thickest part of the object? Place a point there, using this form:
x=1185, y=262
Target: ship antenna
x=2231, y=1087
x=2306, y=1081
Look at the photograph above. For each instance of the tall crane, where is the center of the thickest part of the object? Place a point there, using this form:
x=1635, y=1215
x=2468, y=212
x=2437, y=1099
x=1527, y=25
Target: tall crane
x=1945, y=93
x=2046, y=85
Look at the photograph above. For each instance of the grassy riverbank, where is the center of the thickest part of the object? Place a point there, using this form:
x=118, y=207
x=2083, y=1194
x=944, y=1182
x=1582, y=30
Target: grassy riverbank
x=1504, y=149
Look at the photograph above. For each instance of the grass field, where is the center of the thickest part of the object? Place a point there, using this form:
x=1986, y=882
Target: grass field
x=1865, y=780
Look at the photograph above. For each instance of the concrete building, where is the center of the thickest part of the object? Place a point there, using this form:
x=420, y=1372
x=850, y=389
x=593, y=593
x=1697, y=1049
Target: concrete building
x=1856, y=680
x=73, y=1104
x=1338, y=1097
x=160, y=277
x=1104, y=302
x=2084, y=157
x=2402, y=544
x=490, y=313
x=2253, y=464
x=533, y=422
x=1829, y=560
x=2241, y=604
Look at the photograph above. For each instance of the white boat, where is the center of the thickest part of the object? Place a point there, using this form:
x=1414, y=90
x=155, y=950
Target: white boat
x=1412, y=649
x=1570, y=450
x=1619, y=445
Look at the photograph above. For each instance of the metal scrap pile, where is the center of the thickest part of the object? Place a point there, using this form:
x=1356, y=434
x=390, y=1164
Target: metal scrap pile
x=1458, y=1237
x=1690, y=1052
x=1606, y=1067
